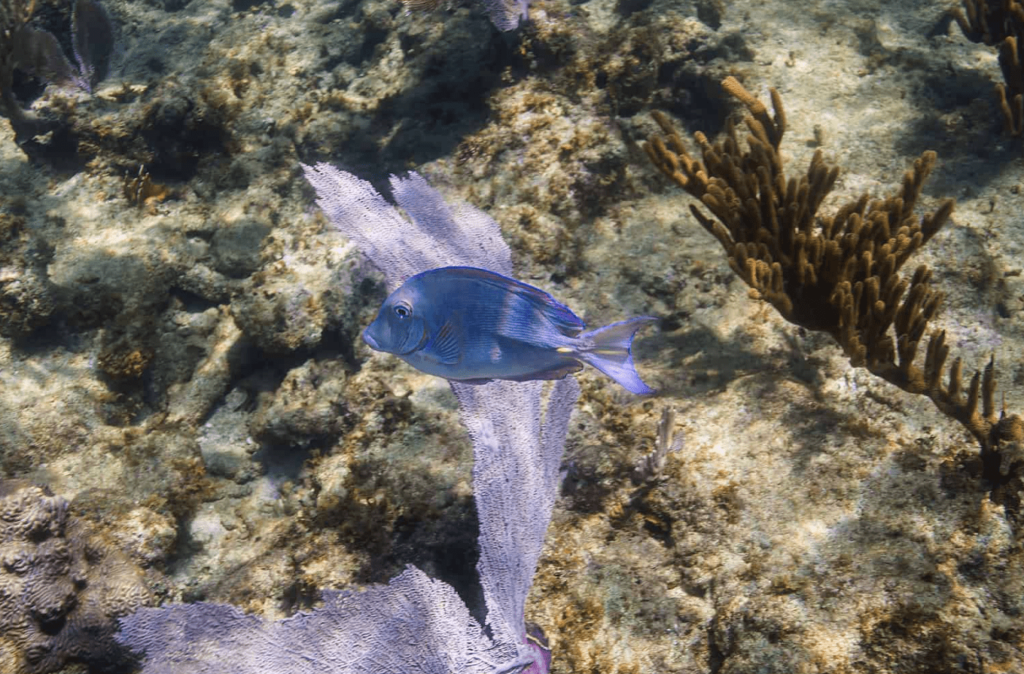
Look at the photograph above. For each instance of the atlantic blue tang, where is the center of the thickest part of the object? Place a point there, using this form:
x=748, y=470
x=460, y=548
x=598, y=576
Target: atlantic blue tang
x=474, y=325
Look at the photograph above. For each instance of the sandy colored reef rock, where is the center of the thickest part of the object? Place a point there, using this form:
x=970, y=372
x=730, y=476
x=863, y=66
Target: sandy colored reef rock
x=183, y=364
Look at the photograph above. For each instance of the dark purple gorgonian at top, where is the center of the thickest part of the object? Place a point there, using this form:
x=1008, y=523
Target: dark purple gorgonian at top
x=93, y=41
x=414, y=624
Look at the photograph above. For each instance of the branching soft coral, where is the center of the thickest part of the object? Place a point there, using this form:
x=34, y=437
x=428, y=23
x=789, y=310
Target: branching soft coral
x=1000, y=22
x=839, y=273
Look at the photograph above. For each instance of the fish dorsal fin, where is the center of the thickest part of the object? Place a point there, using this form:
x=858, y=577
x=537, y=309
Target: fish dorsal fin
x=446, y=346
x=564, y=320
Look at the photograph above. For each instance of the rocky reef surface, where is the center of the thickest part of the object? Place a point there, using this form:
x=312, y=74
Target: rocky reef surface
x=179, y=327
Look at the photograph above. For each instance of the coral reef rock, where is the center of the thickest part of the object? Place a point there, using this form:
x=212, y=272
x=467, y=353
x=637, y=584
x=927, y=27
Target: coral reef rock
x=26, y=294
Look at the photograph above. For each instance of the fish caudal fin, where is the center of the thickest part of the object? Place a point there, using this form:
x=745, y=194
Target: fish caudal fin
x=608, y=349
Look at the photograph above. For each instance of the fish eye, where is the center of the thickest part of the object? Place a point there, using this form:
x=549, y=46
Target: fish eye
x=403, y=310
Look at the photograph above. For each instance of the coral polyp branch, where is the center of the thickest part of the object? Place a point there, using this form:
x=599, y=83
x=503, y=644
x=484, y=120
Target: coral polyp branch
x=838, y=273
x=1000, y=22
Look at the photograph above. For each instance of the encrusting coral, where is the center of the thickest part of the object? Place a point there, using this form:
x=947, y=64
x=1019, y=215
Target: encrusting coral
x=838, y=274
x=61, y=589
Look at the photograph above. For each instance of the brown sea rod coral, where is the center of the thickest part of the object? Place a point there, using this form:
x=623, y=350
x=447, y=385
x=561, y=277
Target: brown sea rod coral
x=1000, y=22
x=839, y=273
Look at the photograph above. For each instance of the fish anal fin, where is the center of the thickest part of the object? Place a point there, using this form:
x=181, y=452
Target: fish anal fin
x=474, y=382
x=556, y=373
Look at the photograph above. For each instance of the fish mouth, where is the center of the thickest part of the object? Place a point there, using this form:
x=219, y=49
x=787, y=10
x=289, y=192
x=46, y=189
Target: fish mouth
x=375, y=345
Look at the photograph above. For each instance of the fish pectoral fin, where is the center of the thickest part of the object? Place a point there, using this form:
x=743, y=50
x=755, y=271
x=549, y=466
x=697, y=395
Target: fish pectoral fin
x=446, y=347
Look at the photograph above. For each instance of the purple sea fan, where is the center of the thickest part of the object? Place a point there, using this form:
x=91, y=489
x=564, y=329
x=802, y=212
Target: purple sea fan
x=38, y=53
x=435, y=234
x=94, y=42
x=414, y=625
x=516, y=455
x=507, y=14
x=516, y=461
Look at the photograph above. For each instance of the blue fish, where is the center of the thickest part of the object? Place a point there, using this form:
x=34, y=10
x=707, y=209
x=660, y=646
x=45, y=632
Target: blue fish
x=474, y=325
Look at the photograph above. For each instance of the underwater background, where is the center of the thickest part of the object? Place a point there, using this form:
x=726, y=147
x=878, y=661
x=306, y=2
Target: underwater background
x=181, y=360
